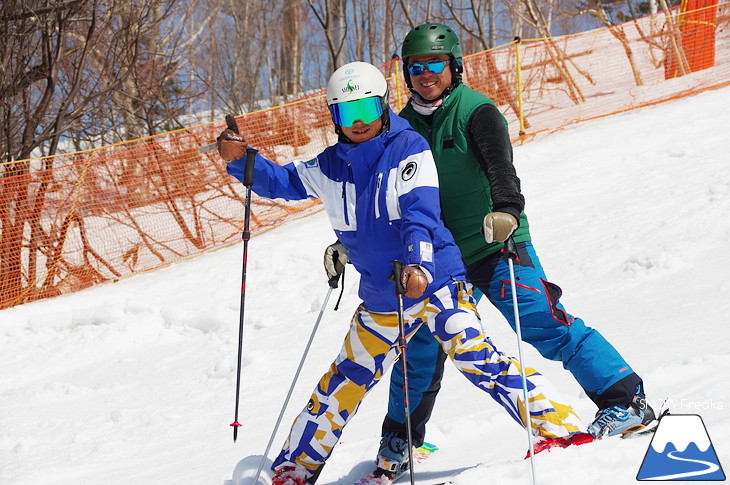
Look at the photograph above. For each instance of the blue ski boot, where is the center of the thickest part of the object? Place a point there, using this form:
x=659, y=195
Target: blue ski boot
x=393, y=455
x=623, y=420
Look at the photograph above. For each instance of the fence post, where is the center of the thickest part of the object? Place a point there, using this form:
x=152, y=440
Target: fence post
x=398, y=101
x=518, y=40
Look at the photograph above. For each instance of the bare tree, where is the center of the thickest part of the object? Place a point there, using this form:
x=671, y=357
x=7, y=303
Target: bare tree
x=675, y=39
x=153, y=94
x=240, y=47
x=331, y=16
x=44, y=92
x=533, y=13
x=290, y=49
x=405, y=8
x=596, y=9
x=497, y=86
x=44, y=80
x=73, y=73
x=372, y=38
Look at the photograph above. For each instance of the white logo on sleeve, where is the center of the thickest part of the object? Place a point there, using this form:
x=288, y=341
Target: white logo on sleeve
x=426, y=252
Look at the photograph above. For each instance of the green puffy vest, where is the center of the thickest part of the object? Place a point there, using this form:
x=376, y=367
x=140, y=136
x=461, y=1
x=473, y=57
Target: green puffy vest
x=464, y=188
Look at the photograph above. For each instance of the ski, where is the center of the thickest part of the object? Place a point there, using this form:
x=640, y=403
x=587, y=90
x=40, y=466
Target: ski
x=420, y=454
x=547, y=444
x=543, y=445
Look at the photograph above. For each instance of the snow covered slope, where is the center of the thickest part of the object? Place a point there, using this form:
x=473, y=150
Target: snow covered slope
x=133, y=382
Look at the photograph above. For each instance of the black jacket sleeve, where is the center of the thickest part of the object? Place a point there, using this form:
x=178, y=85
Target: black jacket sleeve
x=490, y=142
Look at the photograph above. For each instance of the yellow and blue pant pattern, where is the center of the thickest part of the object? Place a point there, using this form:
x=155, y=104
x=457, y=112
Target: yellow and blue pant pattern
x=371, y=346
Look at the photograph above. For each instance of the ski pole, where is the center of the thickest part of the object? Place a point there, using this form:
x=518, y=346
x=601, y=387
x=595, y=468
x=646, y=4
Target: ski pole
x=332, y=285
x=510, y=252
x=247, y=182
x=400, y=291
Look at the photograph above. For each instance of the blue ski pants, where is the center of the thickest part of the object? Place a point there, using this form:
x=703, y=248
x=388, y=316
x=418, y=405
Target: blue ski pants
x=545, y=324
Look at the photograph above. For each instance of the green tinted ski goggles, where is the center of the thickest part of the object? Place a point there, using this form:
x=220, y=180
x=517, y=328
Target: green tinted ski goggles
x=366, y=110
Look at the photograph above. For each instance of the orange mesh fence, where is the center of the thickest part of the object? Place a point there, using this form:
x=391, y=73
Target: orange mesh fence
x=584, y=76
x=72, y=221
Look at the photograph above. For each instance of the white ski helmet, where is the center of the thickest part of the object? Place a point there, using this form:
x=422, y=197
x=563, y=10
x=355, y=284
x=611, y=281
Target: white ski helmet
x=353, y=82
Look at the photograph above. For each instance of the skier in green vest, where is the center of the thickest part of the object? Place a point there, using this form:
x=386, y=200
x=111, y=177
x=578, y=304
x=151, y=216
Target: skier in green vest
x=482, y=206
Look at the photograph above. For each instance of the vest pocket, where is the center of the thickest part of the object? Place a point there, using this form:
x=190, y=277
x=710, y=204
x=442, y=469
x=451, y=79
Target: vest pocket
x=554, y=292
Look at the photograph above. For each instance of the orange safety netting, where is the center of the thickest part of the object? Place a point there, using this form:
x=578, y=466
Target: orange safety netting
x=72, y=221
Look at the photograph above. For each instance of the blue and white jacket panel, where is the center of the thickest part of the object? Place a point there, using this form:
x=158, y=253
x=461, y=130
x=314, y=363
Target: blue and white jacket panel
x=382, y=200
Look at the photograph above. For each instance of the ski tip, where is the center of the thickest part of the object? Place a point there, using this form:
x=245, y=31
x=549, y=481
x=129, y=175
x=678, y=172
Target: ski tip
x=428, y=447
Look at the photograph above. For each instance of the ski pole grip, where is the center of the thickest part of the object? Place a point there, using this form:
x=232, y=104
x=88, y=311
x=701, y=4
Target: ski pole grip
x=510, y=250
x=397, y=272
x=248, y=170
x=333, y=282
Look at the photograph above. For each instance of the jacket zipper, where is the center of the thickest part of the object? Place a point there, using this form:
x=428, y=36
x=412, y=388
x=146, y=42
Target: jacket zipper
x=344, y=202
x=377, y=196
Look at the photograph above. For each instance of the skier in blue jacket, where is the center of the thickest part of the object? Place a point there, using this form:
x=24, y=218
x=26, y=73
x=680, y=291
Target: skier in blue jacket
x=379, y=187
x=480, y=190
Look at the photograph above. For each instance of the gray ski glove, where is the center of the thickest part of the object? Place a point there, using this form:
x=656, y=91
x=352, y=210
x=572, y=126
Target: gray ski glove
x=335, y=259
x=498, y=226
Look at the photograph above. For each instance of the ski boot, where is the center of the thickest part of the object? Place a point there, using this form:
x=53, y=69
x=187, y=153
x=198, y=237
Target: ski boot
x=623, y=420
x=392, y=456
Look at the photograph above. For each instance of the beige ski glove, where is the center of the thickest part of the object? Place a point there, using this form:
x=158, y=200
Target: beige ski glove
x=498, y=226
x=335, y=259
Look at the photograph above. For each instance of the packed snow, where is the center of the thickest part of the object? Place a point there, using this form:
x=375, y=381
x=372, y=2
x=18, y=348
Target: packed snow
x=134, y=382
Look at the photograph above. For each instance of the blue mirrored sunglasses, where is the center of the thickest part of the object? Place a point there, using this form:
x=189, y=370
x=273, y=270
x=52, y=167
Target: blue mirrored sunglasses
x=366, y=110
x=436, y=67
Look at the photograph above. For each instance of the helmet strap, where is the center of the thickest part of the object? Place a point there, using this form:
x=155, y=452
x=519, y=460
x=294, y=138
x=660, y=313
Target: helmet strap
x=456, y=69
x=407, y=75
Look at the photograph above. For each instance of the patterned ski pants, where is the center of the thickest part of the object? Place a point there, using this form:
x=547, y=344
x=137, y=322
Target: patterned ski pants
x=369, y=349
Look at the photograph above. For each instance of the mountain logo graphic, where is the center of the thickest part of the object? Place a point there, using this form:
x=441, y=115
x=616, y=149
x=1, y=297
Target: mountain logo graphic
x=681, y=450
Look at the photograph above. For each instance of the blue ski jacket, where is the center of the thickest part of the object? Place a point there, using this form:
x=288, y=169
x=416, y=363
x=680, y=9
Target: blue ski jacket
x=382, y=200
